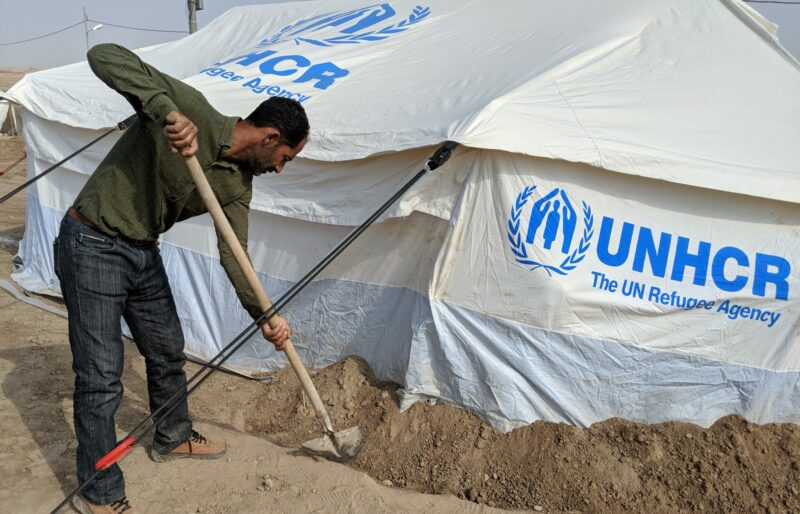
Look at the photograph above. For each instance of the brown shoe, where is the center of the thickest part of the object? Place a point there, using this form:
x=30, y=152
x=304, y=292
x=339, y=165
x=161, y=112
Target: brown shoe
x=84, y=506
x=196, y=447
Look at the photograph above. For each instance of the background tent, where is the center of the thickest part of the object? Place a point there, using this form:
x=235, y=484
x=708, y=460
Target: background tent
x=617, y=237
x=6, y=116
x=3, y=112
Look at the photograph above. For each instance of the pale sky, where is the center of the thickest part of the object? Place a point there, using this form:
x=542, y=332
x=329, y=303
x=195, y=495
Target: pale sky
x=24, y=19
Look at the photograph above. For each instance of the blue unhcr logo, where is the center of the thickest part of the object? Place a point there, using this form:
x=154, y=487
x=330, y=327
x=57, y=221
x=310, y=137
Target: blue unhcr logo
x=551, y=224
x=350, y=27
x=277, y=67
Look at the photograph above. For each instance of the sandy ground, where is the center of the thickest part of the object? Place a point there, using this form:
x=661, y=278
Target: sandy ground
x=465, y=465
x=9, y=76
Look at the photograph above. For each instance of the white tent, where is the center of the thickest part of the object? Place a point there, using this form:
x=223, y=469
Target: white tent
x=5, y=119
x=617, y=236
x=3, y=110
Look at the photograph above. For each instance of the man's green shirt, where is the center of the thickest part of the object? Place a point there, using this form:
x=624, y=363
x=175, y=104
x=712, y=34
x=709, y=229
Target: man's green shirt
x=141, y=188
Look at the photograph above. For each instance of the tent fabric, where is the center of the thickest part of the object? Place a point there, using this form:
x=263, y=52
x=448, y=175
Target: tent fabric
x=634, y=93
x=617, y=236
x=4, y=110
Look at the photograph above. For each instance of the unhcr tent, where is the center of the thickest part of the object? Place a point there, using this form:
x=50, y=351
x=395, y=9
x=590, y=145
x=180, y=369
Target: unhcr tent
x=617, y=236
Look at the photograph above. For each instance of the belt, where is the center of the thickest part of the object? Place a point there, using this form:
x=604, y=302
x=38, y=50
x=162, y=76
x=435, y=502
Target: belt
x=73, y=213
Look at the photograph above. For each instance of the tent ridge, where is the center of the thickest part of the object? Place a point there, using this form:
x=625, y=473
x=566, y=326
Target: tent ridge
x=754, y=21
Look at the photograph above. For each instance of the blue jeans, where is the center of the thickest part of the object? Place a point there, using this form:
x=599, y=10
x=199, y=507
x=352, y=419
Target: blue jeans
x=104, y=279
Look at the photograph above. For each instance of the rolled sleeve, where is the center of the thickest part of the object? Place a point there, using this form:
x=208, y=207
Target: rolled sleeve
x=237, y=213
x=143, y=86
x=158, y=107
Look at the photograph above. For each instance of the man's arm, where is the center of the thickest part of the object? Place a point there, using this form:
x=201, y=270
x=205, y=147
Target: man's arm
x=147, y=90
x=142, y=85
x=237, y=213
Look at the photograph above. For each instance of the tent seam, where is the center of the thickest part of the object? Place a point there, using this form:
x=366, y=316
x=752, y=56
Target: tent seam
x=600, y=160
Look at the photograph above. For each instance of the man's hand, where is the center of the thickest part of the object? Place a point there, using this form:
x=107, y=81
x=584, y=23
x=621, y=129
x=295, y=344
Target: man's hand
x=181, y=133
x=278, y=335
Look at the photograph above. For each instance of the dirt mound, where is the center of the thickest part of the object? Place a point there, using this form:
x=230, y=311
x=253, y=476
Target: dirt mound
x=734, y=466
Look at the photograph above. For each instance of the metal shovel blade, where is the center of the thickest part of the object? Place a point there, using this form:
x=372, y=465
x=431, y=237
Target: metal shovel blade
x=340, y=447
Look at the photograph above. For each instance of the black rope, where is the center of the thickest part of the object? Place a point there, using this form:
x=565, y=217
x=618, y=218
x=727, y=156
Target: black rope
x=18, y=161
x=121, y=126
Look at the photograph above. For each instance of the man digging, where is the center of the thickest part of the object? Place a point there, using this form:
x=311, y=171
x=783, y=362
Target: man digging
x=108, y=261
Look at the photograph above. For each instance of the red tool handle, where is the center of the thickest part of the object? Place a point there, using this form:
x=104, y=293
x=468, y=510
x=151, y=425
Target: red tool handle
x=116, y=454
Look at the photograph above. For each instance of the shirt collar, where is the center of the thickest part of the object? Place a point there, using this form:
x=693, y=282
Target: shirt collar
x=225, y=142
x=227, y=135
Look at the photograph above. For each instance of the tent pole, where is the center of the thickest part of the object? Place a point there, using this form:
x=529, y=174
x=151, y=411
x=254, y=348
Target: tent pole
x=14, y=129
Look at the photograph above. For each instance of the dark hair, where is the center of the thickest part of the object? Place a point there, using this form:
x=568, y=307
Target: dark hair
x=285, y=115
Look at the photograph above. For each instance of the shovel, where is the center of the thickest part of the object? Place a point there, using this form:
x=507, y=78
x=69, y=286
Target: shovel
x=338, y=446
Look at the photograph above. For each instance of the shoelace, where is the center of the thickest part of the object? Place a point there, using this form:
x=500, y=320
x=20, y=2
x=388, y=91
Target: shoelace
x=197, y=438
x=121, y=505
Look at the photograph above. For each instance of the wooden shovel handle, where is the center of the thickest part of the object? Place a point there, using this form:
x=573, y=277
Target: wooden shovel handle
x=224, y=227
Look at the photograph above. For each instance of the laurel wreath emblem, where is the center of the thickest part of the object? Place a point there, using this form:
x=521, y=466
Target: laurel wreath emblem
x=417, y=14
x=519, y=249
